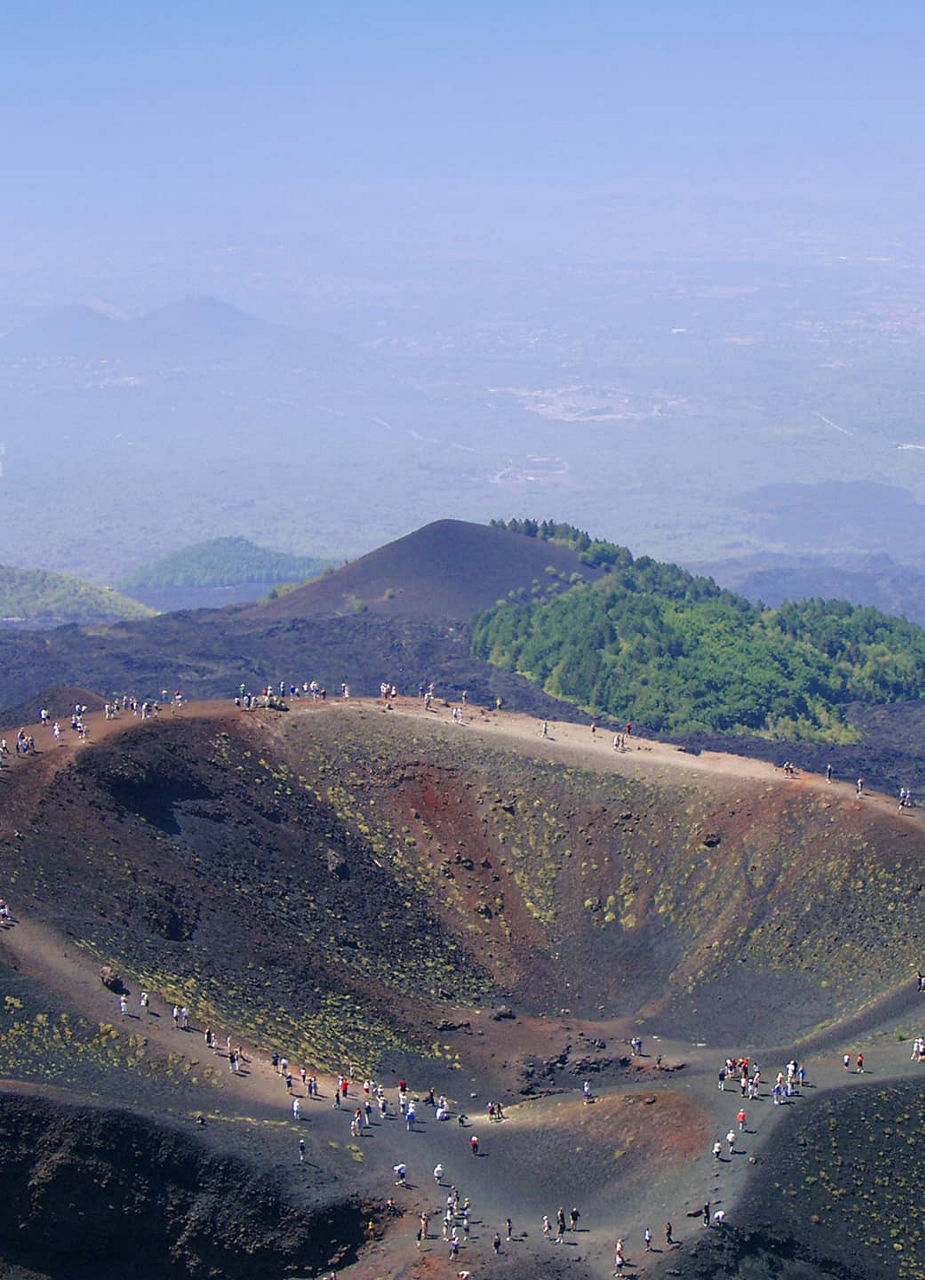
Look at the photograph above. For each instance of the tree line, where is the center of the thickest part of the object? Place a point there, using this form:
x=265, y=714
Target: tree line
x=652, y=643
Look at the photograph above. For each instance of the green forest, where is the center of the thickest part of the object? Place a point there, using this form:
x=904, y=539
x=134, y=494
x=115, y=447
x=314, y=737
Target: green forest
x=653, y=644
x=222, y=562
x=36, y=595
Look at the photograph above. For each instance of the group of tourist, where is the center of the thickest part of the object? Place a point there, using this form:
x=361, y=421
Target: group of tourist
x=269, y=693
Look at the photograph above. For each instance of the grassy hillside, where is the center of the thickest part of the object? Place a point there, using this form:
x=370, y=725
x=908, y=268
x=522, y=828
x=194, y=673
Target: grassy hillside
x=654, y=644
x=37, y=596
x=221, y=562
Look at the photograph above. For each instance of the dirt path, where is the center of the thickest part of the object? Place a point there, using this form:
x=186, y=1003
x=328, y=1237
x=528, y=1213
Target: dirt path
x=566, y=742
x=576, y=744
x=491, y=1180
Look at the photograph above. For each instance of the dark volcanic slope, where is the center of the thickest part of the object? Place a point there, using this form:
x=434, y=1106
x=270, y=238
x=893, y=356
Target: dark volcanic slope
x=408, y=869
x=209, y=654
x=850, y=1171
x=399, y=614
x=837, y=1196
x=449, y=569
x=104, y=1194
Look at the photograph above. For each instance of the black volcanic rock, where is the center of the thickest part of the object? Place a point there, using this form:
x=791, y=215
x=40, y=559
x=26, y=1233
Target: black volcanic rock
x=449, y=569
x=90, y=1191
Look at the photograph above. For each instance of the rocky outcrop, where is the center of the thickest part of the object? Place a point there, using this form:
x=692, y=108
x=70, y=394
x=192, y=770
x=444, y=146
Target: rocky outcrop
x=87, y=1191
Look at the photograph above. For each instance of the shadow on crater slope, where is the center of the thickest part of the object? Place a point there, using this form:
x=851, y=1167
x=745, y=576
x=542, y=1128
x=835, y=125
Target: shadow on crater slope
x=101, y=1193
x=411, y=871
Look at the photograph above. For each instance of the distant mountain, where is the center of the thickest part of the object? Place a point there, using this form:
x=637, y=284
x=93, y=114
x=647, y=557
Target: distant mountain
x=874, y=580
x=75, y=332
x=40, y=598
x=190, y=331
x=450, y=569
x=838, y=516
x=206, y=328
x=221, y=562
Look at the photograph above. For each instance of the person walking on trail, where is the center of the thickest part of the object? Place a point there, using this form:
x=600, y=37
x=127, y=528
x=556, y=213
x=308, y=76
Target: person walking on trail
x=860, y=787
x=741, y=1120
x=301, y=1151
x=474, y=1145
x=860, y=1064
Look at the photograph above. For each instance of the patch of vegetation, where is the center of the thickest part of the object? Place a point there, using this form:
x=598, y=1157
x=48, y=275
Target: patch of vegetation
x=851, y=1175
x=222, y=562
x=61, y=1048
x=36, y=595
x=652, y=643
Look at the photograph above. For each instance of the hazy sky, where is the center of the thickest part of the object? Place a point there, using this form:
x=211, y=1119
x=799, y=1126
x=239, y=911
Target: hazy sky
x=709, y=213
x=151, y=149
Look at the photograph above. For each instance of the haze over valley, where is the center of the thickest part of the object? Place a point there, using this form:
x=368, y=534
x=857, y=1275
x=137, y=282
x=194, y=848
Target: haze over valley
x=670, y=437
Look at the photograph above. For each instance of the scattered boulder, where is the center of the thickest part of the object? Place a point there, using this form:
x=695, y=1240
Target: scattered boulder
x=502, y=1013
x=592, y=1066
x=337, y=864
x=111, y=979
